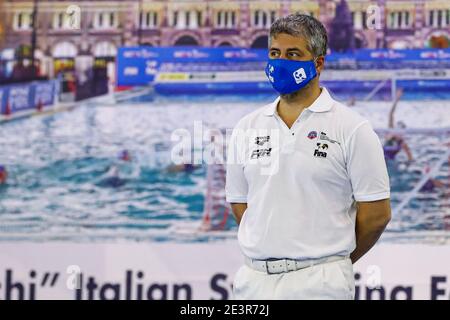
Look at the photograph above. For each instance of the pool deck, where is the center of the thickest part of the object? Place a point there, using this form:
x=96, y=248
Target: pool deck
x=58, y=107
x=68, y=106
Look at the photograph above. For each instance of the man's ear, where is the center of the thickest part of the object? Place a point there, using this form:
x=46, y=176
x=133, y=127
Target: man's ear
x=319, y=62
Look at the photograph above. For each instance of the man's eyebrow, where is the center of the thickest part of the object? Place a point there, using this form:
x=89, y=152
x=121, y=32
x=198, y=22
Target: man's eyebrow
x=294, y=49
x=289, y=49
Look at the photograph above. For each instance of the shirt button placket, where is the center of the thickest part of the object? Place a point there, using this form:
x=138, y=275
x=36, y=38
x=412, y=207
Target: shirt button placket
x=292, y=135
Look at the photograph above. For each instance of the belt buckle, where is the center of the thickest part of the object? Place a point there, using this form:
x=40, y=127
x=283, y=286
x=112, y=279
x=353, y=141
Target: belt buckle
x=286, y=269
x=267, y=267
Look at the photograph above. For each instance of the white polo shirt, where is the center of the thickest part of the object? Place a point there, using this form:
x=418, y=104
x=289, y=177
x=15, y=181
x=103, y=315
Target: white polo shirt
x=301, y=184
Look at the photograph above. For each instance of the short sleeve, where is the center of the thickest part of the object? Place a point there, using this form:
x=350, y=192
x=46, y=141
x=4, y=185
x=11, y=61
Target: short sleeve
x=236, y=187
x=366, y=165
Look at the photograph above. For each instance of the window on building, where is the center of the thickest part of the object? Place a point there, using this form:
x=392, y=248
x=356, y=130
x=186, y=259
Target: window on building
x=188, y=18
x=175, y=18
x=199, y=18
x=29, y=20
x=364, y=19
x=105, y=20
x=357, y=20
x=219, y=19
x=273, y=16
x=264, y=19
x=61, y=20
x=149, y=20
x=399, y=20
x=256, y=18
x=22, y=21
x=227, y=20
x=439, y=18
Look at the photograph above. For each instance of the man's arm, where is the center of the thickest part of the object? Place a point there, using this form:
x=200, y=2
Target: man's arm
x=238, y=211
x=371, y=220
x=236, y=187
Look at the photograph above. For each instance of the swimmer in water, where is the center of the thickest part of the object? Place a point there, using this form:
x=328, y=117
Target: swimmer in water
x=125, y=156
x=432, y=183
x=394, y=143
x=3, y=175
x=184, y=167
x=113, y=178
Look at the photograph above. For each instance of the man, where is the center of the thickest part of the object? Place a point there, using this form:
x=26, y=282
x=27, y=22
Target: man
x=306, y=179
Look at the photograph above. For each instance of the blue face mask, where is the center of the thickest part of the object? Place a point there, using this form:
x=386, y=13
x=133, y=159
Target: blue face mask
x=287, y=76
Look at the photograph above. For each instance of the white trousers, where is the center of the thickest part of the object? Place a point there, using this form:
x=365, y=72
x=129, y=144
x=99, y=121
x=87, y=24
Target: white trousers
x=330, y=280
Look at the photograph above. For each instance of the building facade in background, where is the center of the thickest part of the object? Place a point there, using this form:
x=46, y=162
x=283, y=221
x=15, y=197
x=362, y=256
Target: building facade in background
x=2, y=29
x=81, y=34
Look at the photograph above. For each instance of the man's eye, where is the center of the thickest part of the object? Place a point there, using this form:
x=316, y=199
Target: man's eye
x=273, y=53
x=293, y=54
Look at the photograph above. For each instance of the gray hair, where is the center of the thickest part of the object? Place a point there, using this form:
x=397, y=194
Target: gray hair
x=298, y=24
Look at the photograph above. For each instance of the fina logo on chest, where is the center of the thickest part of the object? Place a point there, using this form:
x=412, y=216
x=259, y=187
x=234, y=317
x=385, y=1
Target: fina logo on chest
x=320, y=150
x=258, y=153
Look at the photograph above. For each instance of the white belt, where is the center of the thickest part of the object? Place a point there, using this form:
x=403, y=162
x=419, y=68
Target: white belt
x=287, y=265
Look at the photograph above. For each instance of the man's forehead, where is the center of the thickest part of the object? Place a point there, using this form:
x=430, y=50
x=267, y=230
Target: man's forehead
x=286, y=40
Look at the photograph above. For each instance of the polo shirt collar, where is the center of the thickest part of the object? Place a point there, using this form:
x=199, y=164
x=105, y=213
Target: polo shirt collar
x=323, y=103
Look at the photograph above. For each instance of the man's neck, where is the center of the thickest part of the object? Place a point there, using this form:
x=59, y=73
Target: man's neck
x=291, y=106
